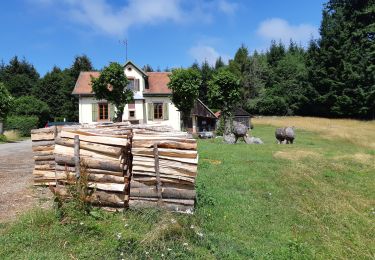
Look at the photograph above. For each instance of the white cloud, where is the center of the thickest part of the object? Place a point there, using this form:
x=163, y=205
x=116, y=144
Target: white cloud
x=99, y=15
x=280, y=29
x=102, y=16
x=226, y=7
x=202, y=53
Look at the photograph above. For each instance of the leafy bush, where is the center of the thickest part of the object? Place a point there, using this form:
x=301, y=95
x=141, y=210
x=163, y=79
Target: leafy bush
x=31, y=106
x=3, y=138
x=5, y=101
x=23, y=124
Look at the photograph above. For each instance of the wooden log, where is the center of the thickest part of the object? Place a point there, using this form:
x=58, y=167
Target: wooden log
x=89, y=170
x=138, y=137
x=174, y=159
x=46, y=162
x=42, y=130
x=173, y=201
x=43, y=153
x=164, y=144
x=94, y=147
x=44, y=167
x=164, y=170
x=69, y=151
x=42, y=136
x=166, y=152
x=45, y=183
x=97, y=139
x=157, y=173
x=166, y=181
x=171, y=193
x=117, y=187
x=44, y=158
x=182, y=167
x=152, y=183
x=141, y=204
x=43, y=148
x=97, y=177
x=91, y=163
x=42, y=143
x=137, y=174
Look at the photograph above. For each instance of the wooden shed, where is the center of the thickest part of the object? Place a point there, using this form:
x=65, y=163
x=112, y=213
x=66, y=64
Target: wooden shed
x=202, y=118
x=240, y=115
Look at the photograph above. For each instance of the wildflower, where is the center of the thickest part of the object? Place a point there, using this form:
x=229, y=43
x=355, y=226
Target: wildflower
x=122, y=253
x=81, y=223
x=146, y=253
x=192, y=227
x=200, y=234
x=162, y=255
x=118, y=235
x=173, y=220
x=169, y=249
x=126, y=225
x=185, y=244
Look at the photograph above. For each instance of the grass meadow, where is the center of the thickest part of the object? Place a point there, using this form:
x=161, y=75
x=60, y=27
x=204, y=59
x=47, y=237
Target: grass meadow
x=314, y=199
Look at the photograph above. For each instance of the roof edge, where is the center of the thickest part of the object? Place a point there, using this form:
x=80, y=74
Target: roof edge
x=135, y=66
x=207, y=107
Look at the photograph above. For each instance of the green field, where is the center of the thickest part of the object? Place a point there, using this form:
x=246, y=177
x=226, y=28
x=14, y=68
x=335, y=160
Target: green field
x=314, y=199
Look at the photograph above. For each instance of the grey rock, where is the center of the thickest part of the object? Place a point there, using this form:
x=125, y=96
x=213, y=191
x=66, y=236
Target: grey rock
x=289, y=135
x=239, y=129
x=253, y=140
x=230, y=138
x=280, y=135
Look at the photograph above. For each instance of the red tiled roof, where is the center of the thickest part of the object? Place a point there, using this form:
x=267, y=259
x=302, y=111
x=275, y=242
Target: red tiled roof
x=83, y=84
x=157, y=82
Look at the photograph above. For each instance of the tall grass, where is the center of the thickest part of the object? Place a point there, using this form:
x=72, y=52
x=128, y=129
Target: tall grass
x=353, y=131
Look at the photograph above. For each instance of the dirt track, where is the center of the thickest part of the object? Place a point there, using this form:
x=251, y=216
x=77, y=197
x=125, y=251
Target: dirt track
x=17, y=193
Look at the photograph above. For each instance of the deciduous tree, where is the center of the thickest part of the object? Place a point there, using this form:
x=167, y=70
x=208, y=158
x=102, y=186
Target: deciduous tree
x=112, y=86
x=184, y=84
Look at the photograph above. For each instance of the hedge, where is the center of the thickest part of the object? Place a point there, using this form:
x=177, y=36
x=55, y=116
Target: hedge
x=23, y=124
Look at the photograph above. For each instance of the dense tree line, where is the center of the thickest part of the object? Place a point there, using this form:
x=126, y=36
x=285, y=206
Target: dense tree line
x=333, y=77
x=47, y=98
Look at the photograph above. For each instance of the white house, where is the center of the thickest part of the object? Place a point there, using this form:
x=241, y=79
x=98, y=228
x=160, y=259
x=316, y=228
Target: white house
x=152, y=99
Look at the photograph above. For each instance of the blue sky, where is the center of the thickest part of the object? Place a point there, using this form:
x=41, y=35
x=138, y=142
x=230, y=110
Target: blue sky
x=164, y=33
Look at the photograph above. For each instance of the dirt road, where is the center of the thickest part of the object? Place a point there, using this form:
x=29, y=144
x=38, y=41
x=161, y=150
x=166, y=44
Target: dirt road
x=17, y=193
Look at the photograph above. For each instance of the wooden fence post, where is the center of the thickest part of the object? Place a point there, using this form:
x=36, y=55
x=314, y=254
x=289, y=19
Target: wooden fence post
x=158, y=182
x=76, y=156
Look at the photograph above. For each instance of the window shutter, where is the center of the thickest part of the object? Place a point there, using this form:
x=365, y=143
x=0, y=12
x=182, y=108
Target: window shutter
x=165, y=111
x=150, y=111
x=136, y=82
x=94, y=112
x=112, y=113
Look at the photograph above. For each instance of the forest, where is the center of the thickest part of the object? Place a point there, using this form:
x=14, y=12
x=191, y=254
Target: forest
x=333, y=76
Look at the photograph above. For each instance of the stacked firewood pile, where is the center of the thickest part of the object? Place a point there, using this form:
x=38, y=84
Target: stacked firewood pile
x=163, y=170
x=106, y=156
x=43, y=145
x=137, y=166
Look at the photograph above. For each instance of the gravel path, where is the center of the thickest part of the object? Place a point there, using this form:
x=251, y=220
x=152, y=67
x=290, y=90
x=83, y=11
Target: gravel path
x=17, y=194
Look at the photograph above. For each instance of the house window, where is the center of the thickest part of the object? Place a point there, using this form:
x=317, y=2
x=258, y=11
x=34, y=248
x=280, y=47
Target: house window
x=103, y=111
x=132, y=114
x=131, y=84
x=158, y=110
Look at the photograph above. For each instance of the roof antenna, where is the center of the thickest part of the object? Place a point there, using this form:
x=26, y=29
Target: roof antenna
x=125, y=42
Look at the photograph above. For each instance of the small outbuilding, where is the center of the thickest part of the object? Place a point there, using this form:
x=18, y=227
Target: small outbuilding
x=240, y=116
x=202, y=118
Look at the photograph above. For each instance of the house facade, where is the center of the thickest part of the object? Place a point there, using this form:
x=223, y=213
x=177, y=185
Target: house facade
x=152, y=99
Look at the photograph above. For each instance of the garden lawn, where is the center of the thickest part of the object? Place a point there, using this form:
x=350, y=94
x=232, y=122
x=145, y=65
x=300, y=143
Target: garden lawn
x=312, y=199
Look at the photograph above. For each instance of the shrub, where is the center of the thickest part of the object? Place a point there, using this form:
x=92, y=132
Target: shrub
x=31, y=106
x=23, y=124
x=3, y=138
